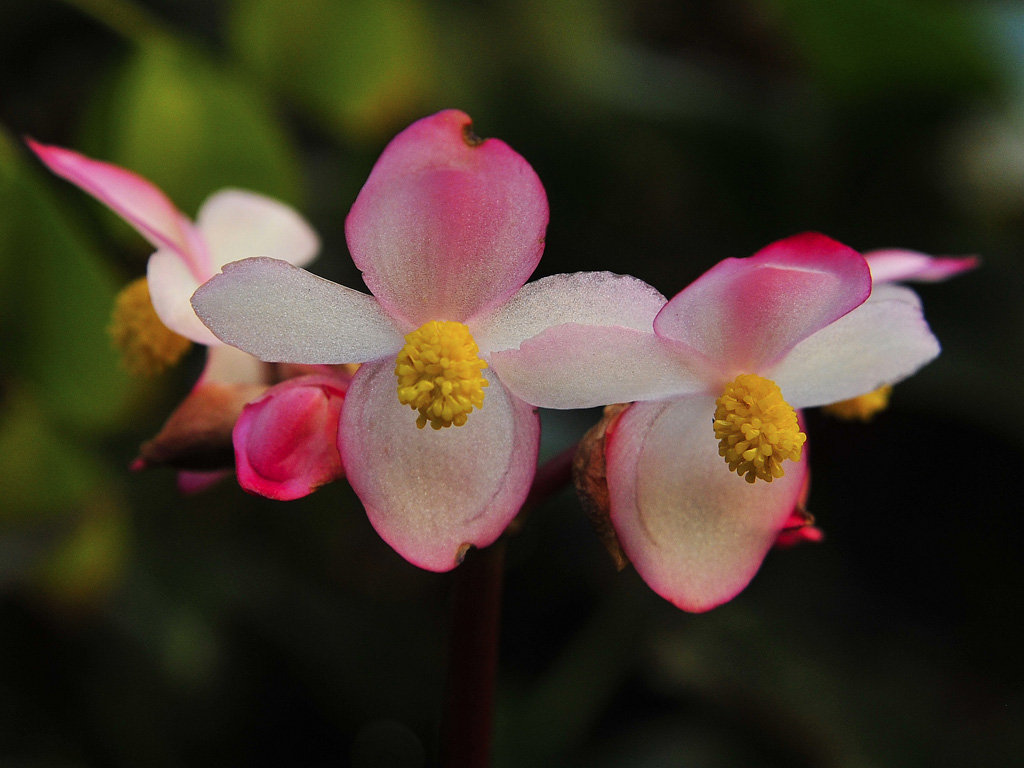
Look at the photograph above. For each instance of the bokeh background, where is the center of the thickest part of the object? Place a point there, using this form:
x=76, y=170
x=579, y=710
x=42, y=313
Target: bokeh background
x=139, y=627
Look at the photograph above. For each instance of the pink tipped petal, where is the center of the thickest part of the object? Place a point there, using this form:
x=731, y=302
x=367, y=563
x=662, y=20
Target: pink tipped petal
x=895, y=264
x=695, y=531
x=171, y=285
x=430, y=492
x=447, y=226
x=238, y=224
x=881, y=342
x=136, y=200
x=746, y=313
x=585, y=298
x=281, y=313
x=581, y=366
x=286, y=441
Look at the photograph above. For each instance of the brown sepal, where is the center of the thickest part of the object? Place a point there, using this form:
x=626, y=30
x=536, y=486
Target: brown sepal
x=588, y=475
x=197, y=435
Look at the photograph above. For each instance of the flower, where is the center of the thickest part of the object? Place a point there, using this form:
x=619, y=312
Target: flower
x=720, y=377
x=153, y=317
x=446, y=231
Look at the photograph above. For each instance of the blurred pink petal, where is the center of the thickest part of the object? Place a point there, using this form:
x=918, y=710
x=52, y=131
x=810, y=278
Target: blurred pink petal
x=136, y=200
x=889, y=265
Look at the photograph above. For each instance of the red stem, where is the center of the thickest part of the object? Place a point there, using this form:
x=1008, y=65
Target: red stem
x=468, y=714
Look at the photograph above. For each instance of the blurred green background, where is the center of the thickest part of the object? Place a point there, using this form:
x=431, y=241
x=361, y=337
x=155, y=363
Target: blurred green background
x=142, y=628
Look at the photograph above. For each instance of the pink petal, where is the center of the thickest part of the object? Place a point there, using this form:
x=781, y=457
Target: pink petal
x=286, y=441
x=896, y=264
x=429, y=492
x=695, y=531
x=133, y=198
x=746, y=313
x=447, y=226
x=171, y=285
x=237, y=224
x=881, y=342
x=581, y=366
x=281, y=313
x=586, y=298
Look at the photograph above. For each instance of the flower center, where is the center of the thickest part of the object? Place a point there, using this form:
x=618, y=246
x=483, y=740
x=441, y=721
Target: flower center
x=439, y=374
x=757, y=430
x=147, y=346
x=862, y=407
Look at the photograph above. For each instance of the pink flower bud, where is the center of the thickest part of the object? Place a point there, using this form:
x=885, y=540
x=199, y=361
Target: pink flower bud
x=286, y=440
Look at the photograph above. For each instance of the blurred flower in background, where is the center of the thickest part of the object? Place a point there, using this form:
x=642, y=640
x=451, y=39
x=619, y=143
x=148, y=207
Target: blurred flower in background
x=138, y=628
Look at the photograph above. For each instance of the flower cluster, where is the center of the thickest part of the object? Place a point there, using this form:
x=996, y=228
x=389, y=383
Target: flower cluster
x=695, y=476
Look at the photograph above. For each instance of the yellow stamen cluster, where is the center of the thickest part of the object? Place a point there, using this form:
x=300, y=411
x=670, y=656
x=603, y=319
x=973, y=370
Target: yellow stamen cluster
x=439, y=374
x=862, y=407
x=147, y=346
x=757, y=430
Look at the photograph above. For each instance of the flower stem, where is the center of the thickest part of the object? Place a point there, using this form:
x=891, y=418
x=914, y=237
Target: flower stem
x=473, y=655
x=468, y=714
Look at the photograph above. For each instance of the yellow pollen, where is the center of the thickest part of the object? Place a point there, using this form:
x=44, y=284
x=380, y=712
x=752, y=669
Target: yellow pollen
x=862, y=407
x=439, y=374
x=757, y=430
x=147, y=346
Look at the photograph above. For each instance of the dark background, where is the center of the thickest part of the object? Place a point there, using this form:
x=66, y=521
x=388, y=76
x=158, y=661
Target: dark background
x=142, y=628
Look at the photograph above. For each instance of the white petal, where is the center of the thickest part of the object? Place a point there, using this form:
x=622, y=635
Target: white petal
x=586, y=298
x=429, y=492
x=695, y=531
x=227, y=365
x=237, y=225
x=581, y=366
x=281, y=313
x=881, y=342
x=171, y=285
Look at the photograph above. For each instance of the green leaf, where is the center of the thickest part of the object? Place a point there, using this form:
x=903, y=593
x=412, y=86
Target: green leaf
x=360, y=65
x=59, y=293
x=191, y=127
x=856, y=48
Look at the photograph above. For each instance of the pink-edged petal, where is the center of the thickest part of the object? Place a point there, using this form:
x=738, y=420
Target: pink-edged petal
x=881, y=342
x=171, y=285
x=695, y=531
x=237, y=224
x=447, y=226
x=585, y=298
x=746, y=313
x=896, y=264
x=281, y=313
x=286, y=440
x=133, y=198
x=427, y=492
x=581, y=366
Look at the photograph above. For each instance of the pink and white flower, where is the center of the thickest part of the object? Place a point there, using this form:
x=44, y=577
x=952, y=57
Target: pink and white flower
x=231, y=224
x=446, y=231
x=796, y=314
